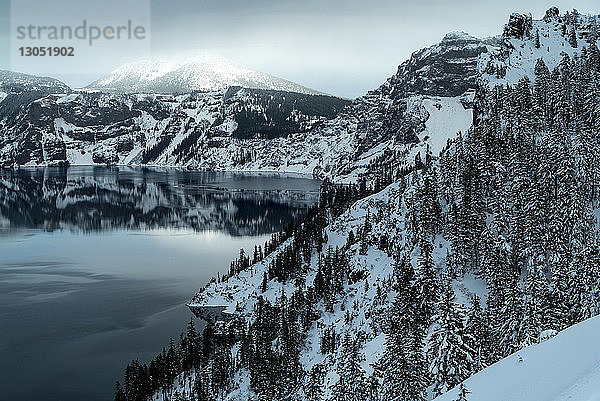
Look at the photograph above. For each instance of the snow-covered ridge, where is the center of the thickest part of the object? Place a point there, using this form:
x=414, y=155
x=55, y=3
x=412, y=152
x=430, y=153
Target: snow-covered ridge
x=421, y=106
x=15, y=82
x=526, y=40
x=202, y=73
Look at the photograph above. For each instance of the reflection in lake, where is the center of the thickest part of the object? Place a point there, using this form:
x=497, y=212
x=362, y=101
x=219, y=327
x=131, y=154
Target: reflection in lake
x=96, y=263
x=92, y=199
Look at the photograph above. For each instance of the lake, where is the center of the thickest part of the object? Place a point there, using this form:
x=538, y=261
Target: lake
x=96, y=264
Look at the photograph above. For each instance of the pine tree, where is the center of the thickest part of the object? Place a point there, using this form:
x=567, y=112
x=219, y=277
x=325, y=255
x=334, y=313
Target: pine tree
x=451, y=357
x=119, y=393
x=510, y=332
x=364, y=234
x=263, y=285
x=462, y=393
x=314, y=385
x=351, y=384
x=573, y=38
x=537, y=38
x=199, y=391
x=477, y=329
x=402, y=366
x=427, y=283
x=535, y=305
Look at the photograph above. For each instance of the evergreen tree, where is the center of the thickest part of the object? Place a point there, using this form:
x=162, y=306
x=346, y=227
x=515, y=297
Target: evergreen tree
x=314, y=385
x=462, y=393
x=477, y=329
x=451, y=357
x=535, y=305
x=364, y=234
x=351, y=384
x=119, y=393
x=199, y=391
x=573, y=38
x=402, y=366
x=427, y=283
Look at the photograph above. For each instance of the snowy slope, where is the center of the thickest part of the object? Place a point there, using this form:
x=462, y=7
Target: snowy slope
x=205, y=73
x=518, y=53
x=565, y=367
x=355, y=310
x=14, y=82
x=424, y=105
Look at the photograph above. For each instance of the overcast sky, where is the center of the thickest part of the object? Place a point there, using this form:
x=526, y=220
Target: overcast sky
x=344, y=47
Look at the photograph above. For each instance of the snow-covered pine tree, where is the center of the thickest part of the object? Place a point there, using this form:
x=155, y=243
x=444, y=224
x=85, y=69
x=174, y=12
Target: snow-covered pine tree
x=364, y=234
x=451, y=358
x=462, y=393
x=402, y=366
x=313, y=390
x=427, y=283
x=573, y=38
x=478, y=331
x=536, y=302
x=351, y=384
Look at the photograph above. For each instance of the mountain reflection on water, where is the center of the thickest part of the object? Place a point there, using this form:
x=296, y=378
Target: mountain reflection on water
x=96, y=265
x=100, y=198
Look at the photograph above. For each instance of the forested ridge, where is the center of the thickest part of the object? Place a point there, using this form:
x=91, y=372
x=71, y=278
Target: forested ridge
x=403, y=286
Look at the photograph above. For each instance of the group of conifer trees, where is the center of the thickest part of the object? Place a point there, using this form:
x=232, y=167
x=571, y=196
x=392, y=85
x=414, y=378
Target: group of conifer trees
x=514, y=199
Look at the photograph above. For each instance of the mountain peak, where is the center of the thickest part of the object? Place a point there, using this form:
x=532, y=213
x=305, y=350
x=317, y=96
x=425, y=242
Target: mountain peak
x=458, y=36
x=198, y=73
x=11, y=81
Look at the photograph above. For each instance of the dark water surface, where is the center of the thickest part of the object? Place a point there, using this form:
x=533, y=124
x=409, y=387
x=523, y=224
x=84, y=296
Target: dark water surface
x=96, y=265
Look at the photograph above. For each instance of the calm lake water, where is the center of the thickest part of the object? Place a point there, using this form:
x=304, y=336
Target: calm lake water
x=97, y=263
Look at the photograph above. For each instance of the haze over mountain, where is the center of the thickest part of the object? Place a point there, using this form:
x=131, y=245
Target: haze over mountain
x=202, y=73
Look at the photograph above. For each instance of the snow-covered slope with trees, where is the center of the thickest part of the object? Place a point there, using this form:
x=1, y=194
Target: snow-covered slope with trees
x=565, y=367
x=433, y=266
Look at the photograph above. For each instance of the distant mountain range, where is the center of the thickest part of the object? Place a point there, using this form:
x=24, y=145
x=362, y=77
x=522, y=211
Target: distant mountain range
x=14, y=82
x=206, y=113
x=206, y=73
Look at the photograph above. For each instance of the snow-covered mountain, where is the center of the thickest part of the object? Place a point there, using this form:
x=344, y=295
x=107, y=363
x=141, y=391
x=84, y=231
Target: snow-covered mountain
x=223, y=129
x=15, y=83
x=204, y=73
x=402, y=289
x=203, y=129
x=424, y=104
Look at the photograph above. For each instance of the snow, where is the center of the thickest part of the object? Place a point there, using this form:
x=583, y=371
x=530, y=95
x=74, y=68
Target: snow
x=3, y=96
x=68, y=98
x=458, y=35
x=203, y=72
x=565, y=367
x=447, y=116
x=521, y=60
